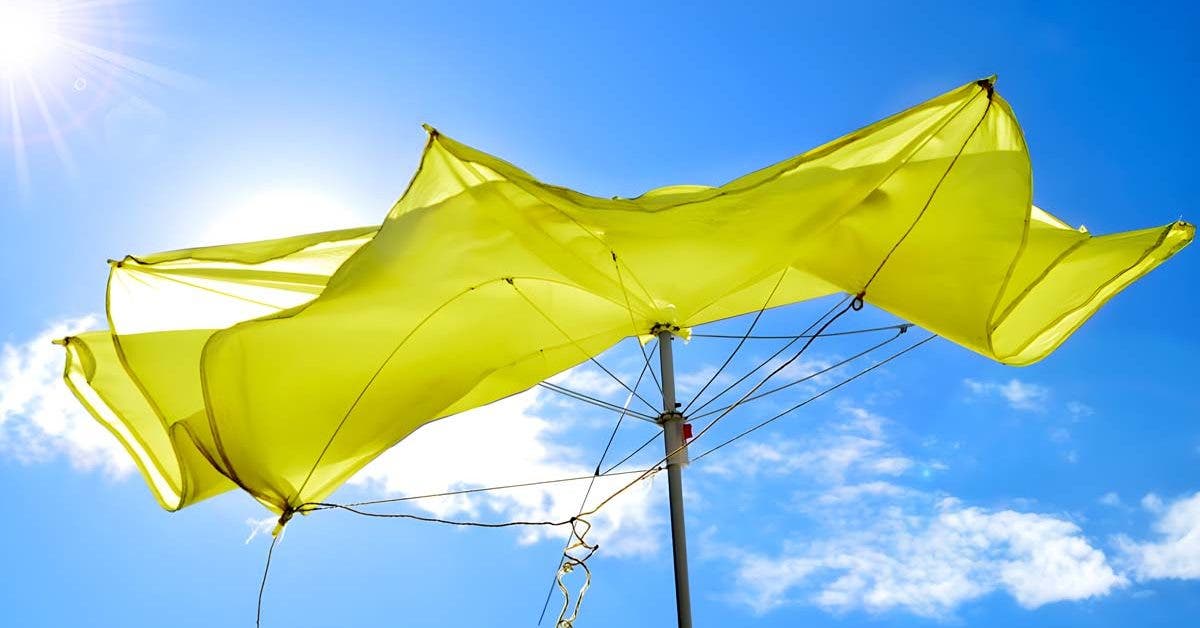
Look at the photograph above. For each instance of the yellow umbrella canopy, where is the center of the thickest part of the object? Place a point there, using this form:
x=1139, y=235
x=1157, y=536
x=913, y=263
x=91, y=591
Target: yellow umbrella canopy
x=285, y=366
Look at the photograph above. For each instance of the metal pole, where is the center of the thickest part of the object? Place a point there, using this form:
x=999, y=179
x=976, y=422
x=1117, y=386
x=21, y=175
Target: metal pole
x=672, y=423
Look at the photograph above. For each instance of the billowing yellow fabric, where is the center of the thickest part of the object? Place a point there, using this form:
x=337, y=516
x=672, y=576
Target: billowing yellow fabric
x=141, y=380
x=285, y=366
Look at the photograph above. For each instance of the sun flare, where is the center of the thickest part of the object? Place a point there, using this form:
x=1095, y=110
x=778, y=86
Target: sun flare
x=28, y=35
x=66, y=65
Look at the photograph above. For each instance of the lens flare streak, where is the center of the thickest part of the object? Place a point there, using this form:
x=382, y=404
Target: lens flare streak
x=64, y=62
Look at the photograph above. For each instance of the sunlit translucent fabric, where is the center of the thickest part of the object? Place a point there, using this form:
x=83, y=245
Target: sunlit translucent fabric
x=141, y=379
x=286, y=366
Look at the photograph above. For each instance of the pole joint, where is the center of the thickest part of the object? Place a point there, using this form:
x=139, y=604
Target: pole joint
x=675, y=438
x=666, y=417
x=659, y=328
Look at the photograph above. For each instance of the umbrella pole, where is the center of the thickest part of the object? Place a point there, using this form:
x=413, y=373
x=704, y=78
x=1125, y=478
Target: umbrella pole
x=676, y=451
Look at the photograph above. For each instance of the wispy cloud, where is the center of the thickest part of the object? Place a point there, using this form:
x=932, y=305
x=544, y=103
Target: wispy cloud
x=930, y=563
x=263, y=526
x=689, y=382
x=877, y=543
x=1018, y=394
x=845, y=493
x=853, y=447
x=1078, y=410
x=39, y=418
x=1035, y=398
x=1176, y=551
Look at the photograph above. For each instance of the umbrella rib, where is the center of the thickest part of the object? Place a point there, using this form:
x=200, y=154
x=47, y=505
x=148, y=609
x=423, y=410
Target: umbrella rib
x=741, y=342
x=512, y=282
x=811, y=375
x=599, y=403
x=933, y=193
x=208, y=289
x=374, y=376
x=488, y=524
x=468, y=491
x=773, y=373
x=828, y=334
x=815, y=397
x=631, y=454
x=804, y=334
x=633, y=323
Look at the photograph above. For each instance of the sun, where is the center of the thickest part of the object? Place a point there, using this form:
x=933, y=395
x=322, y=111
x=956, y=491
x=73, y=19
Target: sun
x=28, y=35
x=63, y=65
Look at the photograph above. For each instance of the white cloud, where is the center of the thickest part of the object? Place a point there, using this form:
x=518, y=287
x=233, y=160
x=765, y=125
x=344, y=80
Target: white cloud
x=1060, y=435
x=689, y=382
x=929, y=564
x=1110, y=499
x=511, y=442
x=262, y=526
x=40, y=419
x=877, y=545
x=1176, y=553
x=830, y=461
x=862, y=420
x=1078, y=410
x=854, y=447
x=1019, y=395
x=853, y=492
x=890, y=465
x=1028, y=397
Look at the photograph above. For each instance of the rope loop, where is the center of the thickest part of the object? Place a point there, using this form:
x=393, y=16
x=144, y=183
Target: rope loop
x=857, y=303
x=570, y=562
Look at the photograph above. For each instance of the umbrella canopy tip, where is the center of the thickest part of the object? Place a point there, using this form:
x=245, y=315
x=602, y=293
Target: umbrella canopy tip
x=284, y=518
x=988, y=83
x=1187, y=229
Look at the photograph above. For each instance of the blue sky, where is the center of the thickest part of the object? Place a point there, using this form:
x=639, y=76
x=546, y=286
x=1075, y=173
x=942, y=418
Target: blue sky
x=942, y=490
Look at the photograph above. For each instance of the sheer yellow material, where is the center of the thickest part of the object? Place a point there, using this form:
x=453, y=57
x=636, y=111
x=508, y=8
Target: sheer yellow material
x=141, y=379
x=285, y=366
